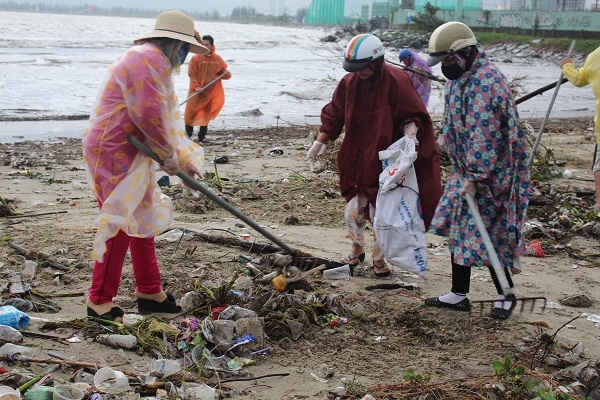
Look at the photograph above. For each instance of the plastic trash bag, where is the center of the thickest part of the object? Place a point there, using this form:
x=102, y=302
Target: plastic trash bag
x=398, y=223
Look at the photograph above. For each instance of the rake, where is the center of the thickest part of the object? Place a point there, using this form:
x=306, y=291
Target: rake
x=301, y=259
x=507, y=291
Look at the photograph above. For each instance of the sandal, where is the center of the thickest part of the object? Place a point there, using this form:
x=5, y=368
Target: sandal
x=463, y=305
x=381, y=271
x=115, y=313
x=146, y=306
x=353, y=261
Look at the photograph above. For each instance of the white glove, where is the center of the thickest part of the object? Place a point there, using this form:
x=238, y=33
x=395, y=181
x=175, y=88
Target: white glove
x=411, y=130
x=315, y=150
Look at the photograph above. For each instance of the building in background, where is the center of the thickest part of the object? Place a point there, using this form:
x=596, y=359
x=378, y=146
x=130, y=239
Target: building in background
x=449, y=4
x=325, y=12
x=555, y=17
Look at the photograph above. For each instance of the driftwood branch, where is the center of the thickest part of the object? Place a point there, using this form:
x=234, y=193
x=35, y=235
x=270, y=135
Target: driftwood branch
x=250, y=246
x=301, y=259
x=35, y=215
x=71, y=363
x=37, y=255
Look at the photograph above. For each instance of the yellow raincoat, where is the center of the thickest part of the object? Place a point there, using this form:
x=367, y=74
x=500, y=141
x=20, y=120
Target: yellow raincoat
x=138, y=98
x=588, y=74
x=205, y=107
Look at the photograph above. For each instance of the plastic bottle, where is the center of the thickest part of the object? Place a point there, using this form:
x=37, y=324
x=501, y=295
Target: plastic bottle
x=13, y=317
x=122, y=341
x=29, y=270
x=342, y=272
x=10, y=334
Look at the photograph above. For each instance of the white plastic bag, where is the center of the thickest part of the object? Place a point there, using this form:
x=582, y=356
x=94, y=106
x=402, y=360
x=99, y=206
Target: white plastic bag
x=398, y=222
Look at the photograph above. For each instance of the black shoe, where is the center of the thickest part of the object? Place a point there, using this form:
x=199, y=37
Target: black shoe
x=114, y=314
x=168, y=305
x=463, y=305
x=500, y=312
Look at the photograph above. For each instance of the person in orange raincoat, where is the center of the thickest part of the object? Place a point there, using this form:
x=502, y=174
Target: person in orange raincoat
x=205, y=106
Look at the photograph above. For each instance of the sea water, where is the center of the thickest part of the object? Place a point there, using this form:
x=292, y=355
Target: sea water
x=52, y=67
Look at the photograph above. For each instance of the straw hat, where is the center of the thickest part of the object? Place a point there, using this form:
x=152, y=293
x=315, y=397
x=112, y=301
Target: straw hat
x=176, y=25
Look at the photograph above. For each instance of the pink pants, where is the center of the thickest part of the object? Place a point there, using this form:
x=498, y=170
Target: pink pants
x=107, y=274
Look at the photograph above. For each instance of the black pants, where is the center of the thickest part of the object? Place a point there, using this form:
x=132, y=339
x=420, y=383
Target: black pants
x=202, y=132
x=461, y=279
x=189, y=130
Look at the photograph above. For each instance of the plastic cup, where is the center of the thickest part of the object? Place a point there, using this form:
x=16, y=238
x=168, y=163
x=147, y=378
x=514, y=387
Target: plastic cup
x=40, y=393
x=67, y=392
x=8, y=393
x=342, y=272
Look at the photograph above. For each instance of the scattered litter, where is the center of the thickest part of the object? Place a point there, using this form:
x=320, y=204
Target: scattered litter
x=595, y=318
x=534, y=249
x=277, y=151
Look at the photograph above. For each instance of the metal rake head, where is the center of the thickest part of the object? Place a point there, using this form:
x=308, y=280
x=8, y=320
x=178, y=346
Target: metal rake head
x=520, y=302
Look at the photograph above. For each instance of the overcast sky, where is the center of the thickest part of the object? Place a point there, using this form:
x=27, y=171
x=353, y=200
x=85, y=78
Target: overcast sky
x=224, y=7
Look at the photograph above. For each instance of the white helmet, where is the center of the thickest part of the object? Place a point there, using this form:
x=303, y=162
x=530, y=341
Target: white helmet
x=448, y=38
x=361, y=50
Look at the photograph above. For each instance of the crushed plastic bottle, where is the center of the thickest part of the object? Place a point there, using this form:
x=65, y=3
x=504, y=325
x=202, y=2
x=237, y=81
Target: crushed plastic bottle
x=122, y=341
x=111, y=381
x=10, y=334
x=164, y=367
x=14, y=350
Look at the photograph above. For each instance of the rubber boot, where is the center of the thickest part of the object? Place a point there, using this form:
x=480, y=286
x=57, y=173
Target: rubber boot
x=597, y=188
x=189, y=130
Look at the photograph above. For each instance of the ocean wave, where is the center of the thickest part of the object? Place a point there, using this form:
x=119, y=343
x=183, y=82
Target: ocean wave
x=38, y=115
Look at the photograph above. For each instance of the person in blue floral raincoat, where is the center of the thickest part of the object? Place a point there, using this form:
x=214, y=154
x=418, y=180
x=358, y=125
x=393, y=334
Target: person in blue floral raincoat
x=488, y=149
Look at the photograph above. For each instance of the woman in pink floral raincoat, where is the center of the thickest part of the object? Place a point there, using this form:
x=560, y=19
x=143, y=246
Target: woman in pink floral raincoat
x=138, y=99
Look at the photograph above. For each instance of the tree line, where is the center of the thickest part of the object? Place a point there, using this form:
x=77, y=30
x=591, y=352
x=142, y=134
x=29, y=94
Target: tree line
x=238, y=14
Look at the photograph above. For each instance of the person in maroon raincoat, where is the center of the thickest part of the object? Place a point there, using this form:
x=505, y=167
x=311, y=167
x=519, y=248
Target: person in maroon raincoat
x=376, y=104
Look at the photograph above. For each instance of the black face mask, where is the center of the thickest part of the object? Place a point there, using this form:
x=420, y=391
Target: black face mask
x=462, y=62
x=183, y=52
x=454, y=69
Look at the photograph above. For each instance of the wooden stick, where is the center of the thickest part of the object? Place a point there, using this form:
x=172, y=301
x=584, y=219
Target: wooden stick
x=71, y=363
x=254, y=377
x=37, y=255
x=35, y=215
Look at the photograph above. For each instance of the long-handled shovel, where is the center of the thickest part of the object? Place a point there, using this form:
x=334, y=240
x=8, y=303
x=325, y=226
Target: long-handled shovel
x=301, y=259
x=203, y=88
x=507, y=291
